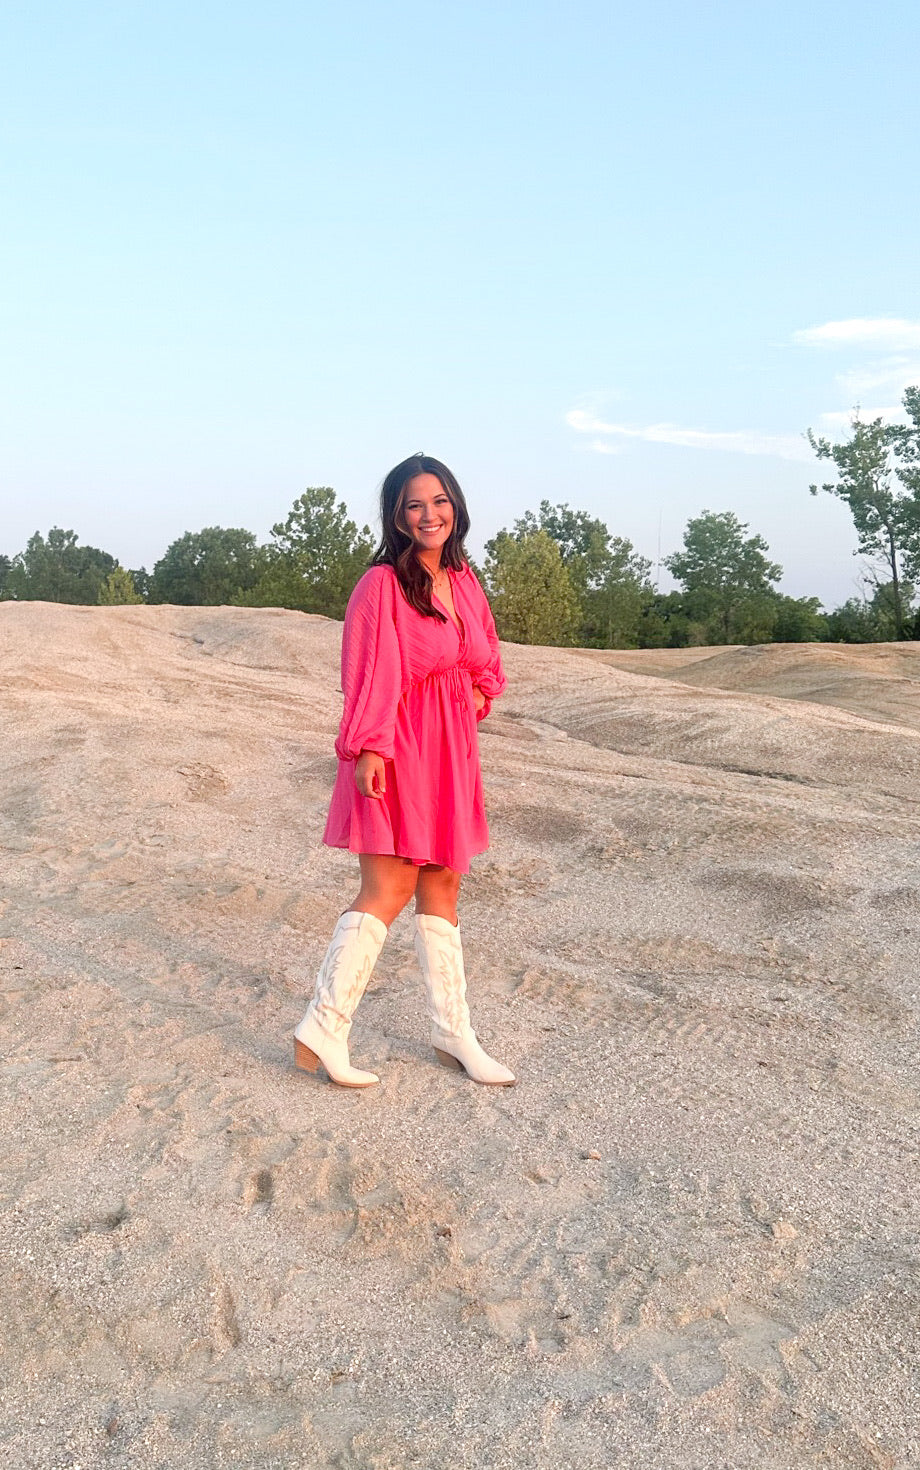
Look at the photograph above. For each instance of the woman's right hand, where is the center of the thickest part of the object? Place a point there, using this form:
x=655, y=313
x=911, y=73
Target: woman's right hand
x=370, y=774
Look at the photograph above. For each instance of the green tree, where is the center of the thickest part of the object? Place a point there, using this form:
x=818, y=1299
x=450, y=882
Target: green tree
x=207, y=568
x=5, y=564
x=905, y=442
x=754, y=619
x=610, y=580
x=574, y=531
x=855, y=621
x=531, y=590
x=614, y=602
x=142, y=580
x=666, y=623
x=887, y=604
x=886, y=514
x=118, y=589
x=56, y=569
x=874, y=619
x=726, y=578
x=799, y=620
x=316, y=557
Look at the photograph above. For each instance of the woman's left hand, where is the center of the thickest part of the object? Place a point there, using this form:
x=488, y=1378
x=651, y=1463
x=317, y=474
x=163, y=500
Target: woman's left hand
x=479, y=698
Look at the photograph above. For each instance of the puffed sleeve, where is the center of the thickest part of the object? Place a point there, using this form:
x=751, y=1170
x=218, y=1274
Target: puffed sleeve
x=491, y=679
x=371, y=668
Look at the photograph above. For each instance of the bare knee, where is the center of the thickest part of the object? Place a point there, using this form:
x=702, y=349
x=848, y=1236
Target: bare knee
x=437, y=892
x=387, y=885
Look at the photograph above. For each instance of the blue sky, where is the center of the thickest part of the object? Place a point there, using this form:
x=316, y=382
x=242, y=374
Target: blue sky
x=615, y=256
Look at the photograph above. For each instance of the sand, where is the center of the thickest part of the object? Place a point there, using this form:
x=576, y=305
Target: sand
x=688, y=1238
x=880, y=681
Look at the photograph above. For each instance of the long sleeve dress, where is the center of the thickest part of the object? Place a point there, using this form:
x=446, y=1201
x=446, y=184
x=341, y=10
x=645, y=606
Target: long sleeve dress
x=408, y=686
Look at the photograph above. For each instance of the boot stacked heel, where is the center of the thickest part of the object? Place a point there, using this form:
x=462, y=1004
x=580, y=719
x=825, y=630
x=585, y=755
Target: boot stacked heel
x=304, y=1058
x=446, y=1060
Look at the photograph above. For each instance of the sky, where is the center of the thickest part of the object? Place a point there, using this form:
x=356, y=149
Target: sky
x=619, y=257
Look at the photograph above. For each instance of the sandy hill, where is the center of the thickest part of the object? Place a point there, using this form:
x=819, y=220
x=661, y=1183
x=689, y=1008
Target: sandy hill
x=880, y=681
x=688, y=1238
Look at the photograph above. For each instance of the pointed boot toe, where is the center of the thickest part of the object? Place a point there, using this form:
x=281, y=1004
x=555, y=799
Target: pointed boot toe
x=464, y=1052
x=343, y=1074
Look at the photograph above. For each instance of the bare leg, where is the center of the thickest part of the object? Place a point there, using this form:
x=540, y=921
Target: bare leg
x=387, y=884
x=437, y=892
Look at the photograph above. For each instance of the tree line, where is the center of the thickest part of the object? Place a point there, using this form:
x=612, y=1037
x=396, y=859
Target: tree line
x=557, y=575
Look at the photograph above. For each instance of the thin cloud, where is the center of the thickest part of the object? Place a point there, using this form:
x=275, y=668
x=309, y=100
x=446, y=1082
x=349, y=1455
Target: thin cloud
x=892, y=375
x=883, y=334
x=888, y=347
x=778, y=446
x=586, y=423
x=842, y=421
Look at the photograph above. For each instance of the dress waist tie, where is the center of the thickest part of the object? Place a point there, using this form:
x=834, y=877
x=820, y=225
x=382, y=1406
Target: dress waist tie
x=461, y=697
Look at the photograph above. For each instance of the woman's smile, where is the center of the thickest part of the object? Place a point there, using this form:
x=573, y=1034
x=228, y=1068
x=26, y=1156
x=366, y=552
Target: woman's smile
x=427, y=512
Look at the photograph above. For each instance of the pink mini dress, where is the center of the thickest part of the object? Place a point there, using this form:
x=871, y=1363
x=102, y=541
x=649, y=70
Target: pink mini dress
x=408, y=686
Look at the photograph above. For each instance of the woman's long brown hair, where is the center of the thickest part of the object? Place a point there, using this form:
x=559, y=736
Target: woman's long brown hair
x=397, y=549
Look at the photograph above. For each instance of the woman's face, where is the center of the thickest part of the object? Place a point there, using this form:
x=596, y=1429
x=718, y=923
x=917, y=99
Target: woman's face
x=427, y=514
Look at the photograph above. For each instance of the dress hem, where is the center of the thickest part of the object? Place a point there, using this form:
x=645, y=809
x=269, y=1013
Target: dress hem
x=417, y=861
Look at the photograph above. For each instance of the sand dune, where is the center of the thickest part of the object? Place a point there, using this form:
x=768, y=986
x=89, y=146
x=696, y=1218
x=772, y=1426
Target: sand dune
x=880, y=681
x=687, y=1238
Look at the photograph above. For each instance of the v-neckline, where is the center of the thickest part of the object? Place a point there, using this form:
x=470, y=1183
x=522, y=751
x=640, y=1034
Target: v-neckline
x=455, y=618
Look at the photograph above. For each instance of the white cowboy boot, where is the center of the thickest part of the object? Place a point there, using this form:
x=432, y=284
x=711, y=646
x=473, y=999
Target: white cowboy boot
x=440, y=954
x=322, y=1035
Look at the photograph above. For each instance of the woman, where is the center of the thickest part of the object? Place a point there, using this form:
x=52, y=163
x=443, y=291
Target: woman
x=420, y=667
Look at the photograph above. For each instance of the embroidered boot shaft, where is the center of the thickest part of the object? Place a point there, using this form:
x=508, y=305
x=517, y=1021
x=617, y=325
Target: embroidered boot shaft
x=322, y=1036
x=440, y=954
